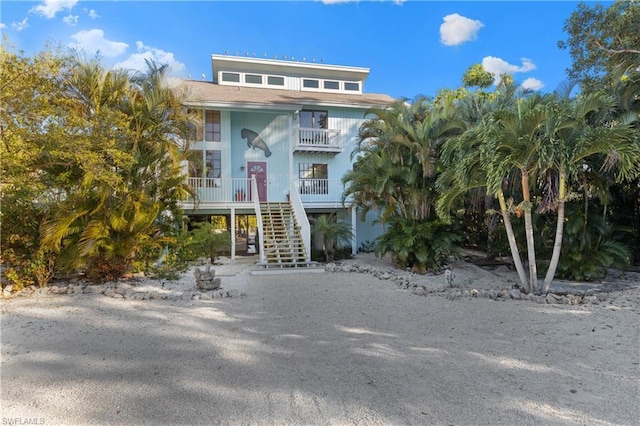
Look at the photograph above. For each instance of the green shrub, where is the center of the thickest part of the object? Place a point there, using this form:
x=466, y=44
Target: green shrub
x=421, y=246
x=591, y=246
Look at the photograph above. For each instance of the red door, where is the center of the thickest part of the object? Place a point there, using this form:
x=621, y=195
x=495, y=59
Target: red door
x=258, y=169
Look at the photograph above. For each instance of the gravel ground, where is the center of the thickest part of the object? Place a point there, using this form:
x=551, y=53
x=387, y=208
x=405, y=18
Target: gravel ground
x=319, y=348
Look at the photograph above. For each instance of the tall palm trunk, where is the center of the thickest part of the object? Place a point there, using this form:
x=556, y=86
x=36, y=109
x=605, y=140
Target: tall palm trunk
x=515, y=254
x=557, y=244
x=528, y=226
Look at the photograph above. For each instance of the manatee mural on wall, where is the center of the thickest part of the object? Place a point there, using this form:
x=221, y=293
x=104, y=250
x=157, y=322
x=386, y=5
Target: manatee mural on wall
x=255, y=141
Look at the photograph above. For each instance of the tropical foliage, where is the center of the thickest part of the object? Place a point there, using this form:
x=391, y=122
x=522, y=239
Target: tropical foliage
x=92, y=157
x=394, y=174
x=332, y=231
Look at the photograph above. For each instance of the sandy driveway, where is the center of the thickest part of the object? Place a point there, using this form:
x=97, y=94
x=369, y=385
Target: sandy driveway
x=331, y=348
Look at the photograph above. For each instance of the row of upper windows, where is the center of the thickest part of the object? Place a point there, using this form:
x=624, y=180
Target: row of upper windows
x=279, y=82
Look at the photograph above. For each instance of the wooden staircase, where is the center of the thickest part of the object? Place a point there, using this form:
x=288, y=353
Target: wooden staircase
x=283, y=244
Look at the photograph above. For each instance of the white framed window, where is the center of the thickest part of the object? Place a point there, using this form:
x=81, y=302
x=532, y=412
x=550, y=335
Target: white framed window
x=274, y=80
x=253, y=79
x=231, y=77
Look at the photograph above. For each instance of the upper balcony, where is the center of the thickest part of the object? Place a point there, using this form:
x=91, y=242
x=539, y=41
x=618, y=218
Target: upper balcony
x=317, y=140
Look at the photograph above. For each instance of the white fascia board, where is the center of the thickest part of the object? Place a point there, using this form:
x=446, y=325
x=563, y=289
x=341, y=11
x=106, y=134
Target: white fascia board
x=339, y=105
x=279, y=66
x=241, y=106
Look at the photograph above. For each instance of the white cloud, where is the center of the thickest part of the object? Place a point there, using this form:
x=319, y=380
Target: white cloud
x=49, y=8
x=2, y=25
x=498, y=66
x=93, y=41
x=91, y=12
x=19, y=26
x=532, y=84
x=71, y=20
x=137, y=60
x=457, y=29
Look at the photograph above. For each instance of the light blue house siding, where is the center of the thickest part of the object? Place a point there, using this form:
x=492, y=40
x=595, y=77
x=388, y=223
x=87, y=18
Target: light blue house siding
x=274, y=129
x=368, y=230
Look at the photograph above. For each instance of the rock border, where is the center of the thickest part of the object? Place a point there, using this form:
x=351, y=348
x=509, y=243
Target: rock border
x=406, y=280
x=120, y=290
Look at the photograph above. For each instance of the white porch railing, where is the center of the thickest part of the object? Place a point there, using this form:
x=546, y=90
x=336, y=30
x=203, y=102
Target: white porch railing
x=222, y=190
x=303, y=220
x=256, y=207
x=318, y=138
x=320, y=190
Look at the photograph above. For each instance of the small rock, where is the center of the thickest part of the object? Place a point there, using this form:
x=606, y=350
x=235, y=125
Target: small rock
x=94, y=289
x=385, y=276
x=590, y=300
x=541, y=300
x=515, y=294
x=474, y=292
x=122, y=288
x=602, y=297
x=493, y=295
x=504, y=294
x=76, y=289
x=419, y=291
x=58, y=289
x=43, y=291
x=330, y=267
x=553, y=298
x=233, y=293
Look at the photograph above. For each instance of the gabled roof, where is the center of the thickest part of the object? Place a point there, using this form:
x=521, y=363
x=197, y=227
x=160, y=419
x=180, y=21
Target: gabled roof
x=205, y=93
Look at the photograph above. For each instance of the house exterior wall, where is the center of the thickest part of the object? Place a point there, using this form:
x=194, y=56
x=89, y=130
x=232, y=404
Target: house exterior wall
x=247, y=111
x=274, y=130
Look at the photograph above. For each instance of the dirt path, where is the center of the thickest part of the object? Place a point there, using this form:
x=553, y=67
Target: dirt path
x=332, y=348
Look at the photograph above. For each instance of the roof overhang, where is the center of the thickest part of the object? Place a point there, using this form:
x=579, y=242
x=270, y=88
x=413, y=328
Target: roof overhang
x=283, y=67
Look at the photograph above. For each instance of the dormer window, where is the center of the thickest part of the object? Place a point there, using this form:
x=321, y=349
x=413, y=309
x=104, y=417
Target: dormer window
x=231, y=77
x=253, y=79
x=331, y=85
x=352, y=87
x=310, y=84
x=275, y=81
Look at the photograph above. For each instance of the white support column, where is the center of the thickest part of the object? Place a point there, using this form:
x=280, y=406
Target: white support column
x=292, y=141
x=233, y=233
x=354, y=238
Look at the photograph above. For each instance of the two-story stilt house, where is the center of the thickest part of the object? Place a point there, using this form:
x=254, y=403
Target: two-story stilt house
x=275, y=141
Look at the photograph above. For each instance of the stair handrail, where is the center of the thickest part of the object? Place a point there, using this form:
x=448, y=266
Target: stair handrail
x=301, y=216
x=256, y=206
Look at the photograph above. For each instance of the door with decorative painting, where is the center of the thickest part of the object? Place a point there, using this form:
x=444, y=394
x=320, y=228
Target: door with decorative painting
x=258, y=169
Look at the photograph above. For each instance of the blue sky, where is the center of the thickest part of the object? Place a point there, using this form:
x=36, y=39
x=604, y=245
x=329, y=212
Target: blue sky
x=411, y=47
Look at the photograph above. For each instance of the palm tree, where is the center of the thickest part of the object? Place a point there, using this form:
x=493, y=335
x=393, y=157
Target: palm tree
x=397, y=159
x=116, y=214
x=467, y=158
x=510, y=152
x=332, y=231
x=579, y=133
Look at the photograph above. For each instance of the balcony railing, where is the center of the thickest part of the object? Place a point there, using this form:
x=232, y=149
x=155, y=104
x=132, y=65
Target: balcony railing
x=322, y=140
x=320, y=190
x=222, y=190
